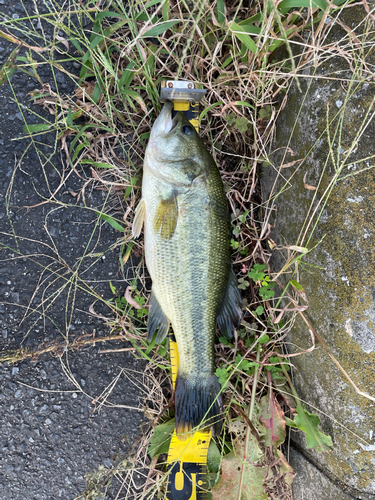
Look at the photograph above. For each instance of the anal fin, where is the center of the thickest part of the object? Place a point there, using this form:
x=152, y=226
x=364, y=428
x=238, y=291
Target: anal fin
x=156, y=320
x=230, y=312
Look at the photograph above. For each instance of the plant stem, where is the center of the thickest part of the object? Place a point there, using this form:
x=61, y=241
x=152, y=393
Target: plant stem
x=251, y=411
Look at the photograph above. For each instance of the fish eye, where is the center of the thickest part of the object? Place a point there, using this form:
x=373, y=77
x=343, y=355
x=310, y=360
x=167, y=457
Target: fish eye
x=187, y=129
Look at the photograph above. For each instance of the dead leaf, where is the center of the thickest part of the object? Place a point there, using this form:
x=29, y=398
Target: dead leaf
x=266, y=473
x=92, y=311
x=130, y=299
x=290, y=164
x=271, y=243
x=63, y=41
x=13, y=39
x=272, y=418
x=307, y=186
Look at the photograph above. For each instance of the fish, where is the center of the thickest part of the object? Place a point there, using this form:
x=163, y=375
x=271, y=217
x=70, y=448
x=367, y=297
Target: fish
x=185, y=216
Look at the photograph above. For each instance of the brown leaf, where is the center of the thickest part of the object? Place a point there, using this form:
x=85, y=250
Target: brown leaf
x=272, y=418
x=307, y=186
x=265, y=473
x=130, y=299
x=63, y=41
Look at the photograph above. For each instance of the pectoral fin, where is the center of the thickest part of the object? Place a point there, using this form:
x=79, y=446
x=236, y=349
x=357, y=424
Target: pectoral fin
x=166, y=217
x=230, y=312
x=140, y=215
x=156, y=319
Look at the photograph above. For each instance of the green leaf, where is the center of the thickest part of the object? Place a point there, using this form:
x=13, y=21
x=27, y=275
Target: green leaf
x=161, y=350
x=264, y=114
x=113, y=288
x=165, y=10
x=134, y=95
x=127, y=253
x=207, y=109
x=81, y=135
x=241, y=124
x=266, y=293
x=96, y=93
x=108, y=13
x=213, y=458
x=243, y=216
x=129, y=189
x=269, y=284
x=274, y=359
x=298, y=4
x=251, y=20
x=76, y=44
x=257, y=272
x=38, y=127
x=249, y=28
x=222, y=374
x=95, y=41
x=243, y=284
x=160, y=28
x=9, y=67
x=242, y=364
x=263, y=339
x=259, y=310
x=151, y=3
x=296, y=285
x=69, y=118
x=111, y=221
x=127, y=76
x=244, y=103
x=161, y=439
x=308, y=423
x=240, y=33
x=259, y=267
x=220, y=11
x=82, y=145
x=225, y=341
x=96, y=164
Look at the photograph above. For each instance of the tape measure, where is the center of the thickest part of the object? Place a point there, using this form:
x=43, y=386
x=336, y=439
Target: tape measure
x=187, y=460
x=187, y=471
x=185, y=98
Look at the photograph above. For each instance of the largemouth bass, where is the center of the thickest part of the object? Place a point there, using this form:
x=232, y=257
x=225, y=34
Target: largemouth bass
x=185, y=214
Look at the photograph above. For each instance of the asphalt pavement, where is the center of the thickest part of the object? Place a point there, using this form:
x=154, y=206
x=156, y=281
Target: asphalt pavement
x=54, y=429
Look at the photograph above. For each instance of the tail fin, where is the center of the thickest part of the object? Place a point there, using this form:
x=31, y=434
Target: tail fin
x=198, y=403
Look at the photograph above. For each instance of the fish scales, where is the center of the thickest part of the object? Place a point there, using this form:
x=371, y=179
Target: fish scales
x=185, y=215
x=189, y=272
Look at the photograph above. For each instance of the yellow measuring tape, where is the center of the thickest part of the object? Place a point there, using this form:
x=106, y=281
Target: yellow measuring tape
x=187, y=471
x=187, y=474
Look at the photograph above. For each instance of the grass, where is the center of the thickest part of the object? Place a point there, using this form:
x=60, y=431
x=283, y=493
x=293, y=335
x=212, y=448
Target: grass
x=246, y=55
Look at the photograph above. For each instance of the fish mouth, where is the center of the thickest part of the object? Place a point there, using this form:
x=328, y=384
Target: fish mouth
x=168, y=121
x=168, y=107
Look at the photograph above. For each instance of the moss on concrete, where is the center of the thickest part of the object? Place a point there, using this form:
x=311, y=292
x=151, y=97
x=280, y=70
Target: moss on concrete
x=342, y=294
